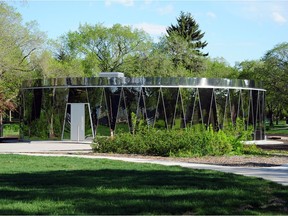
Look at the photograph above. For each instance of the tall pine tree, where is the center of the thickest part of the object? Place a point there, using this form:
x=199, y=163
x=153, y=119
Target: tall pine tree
x=188, y=29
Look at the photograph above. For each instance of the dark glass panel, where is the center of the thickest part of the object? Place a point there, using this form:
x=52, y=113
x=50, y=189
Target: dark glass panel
x=132, y=97
x=27, y=99
x=179, y=117
x=245, y=96
x=141, y=109
x=213, y=113
x=78, y=95
x=102, y=112
x=262, y=114
x=112, y=98
x=197, y=116
x=205, y=100
x=188, y=99
x=57, y=98
x=53, y=109
x=220, y=98
x=67, y=123
x=234, y=98
x=252, y=107
x=259, y=116
x=227, y=121
x=36, y=104
x=240, y=112
x=151, y=99
x=94, y=99
x=89, y=129
x=170, y=96
x=122, y=123
x=160, y=117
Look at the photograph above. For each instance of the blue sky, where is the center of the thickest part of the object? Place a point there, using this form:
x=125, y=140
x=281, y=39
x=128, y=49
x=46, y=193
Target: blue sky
x=234, y=30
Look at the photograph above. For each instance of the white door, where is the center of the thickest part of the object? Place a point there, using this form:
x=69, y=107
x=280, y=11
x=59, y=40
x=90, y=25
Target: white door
x=77, y=121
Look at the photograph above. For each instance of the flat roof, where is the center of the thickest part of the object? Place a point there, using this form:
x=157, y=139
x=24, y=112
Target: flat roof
x=169, y=82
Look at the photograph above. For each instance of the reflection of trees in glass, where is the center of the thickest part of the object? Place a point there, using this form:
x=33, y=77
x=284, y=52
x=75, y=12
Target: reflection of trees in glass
x=103, y=117
x=122, y=123
x=188, y=99
x=205, y=100
x=179, y=120
x=260, y=121
x=221, y=98
x=197, y=115
x=94, y=99
x=227, y=111
x=151, y=98
x=141, y=109
x=160, y=116
x=234, y=98
x=131, y=96
x=212, y=119
x=112, y=98
x=170, y=96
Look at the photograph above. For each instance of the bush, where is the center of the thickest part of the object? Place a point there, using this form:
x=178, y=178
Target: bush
x=194, y=141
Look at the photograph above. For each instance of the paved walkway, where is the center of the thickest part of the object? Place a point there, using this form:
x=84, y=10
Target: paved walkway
x=277, y=174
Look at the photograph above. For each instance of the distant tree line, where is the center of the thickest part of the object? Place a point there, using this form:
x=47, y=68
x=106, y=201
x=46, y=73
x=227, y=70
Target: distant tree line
x=26, y=53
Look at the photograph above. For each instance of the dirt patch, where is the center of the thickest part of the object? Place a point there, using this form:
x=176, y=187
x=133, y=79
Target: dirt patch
x=247, y=161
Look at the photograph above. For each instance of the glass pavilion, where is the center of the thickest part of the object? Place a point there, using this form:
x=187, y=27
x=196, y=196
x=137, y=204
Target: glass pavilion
x=81, y=108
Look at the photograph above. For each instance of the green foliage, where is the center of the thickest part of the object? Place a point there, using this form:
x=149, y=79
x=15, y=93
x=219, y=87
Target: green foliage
x=106, y=47
x=253, y=150
x=219, y=68
x=10, y=130
x=17, y=41
x=194, y=141
x=188, y=29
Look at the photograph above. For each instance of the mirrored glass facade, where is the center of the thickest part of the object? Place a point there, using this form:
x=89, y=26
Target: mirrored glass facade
x=164, y=103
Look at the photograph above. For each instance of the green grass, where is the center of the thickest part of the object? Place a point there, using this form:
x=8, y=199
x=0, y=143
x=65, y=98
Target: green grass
x=62, y=185
x=11, y=130
x=280, y=129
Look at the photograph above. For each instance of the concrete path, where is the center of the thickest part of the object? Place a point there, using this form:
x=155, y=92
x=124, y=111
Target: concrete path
x=277, y=174
x=45, y=146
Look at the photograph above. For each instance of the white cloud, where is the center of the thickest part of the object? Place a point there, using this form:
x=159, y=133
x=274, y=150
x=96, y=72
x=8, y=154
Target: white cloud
x=266, y=10
x=147, y=2
x=278, y=17
x=152, y=29
x=166, y=10
x=122, y=2
x=211, y=15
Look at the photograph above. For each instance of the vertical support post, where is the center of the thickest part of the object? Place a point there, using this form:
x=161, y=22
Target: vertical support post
x=63, y=127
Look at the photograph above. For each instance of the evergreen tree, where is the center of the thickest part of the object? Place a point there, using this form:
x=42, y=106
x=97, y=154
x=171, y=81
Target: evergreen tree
x=188, y=29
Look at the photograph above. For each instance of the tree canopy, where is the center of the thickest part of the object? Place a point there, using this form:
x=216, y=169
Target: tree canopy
x=106, y=47
x=18, y=42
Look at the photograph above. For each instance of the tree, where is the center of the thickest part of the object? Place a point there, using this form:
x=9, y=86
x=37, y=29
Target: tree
x=106, y=47
x=17, y=43
x=272, y=71
x=274, y=78
x=184, y=41
x=219, y=68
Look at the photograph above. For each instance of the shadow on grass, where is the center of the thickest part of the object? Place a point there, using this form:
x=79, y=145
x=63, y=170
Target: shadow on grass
x=114, y=191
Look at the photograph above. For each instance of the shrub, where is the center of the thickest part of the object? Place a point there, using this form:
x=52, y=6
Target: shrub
x=193, y=141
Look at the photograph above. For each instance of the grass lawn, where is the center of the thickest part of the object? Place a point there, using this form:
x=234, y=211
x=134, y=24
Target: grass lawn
x=280, y=129
x=62, y=185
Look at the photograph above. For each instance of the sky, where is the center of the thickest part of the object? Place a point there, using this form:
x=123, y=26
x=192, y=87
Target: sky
x=235, y=30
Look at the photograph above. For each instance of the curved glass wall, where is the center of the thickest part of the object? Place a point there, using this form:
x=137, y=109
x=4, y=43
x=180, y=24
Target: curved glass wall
x=51, y=108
